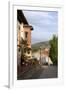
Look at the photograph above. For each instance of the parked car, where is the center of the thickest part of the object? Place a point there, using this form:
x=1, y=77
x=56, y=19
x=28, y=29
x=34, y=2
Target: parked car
x=35, y=60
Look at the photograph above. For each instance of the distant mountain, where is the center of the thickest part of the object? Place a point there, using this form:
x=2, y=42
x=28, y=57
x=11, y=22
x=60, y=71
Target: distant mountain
x=36, y=46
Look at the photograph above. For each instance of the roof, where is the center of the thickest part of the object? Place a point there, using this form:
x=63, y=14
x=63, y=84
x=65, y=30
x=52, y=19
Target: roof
x=21, y=18
x=28, y=26
x=46, y=49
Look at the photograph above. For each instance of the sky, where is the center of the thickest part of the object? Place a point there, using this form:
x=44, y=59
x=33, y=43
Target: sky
x=45, y=24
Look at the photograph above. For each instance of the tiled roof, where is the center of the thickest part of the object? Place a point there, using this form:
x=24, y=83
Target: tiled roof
x=21, y=18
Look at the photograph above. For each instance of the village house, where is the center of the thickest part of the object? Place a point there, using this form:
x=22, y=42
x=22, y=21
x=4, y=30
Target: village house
x=45, y=55
x=23, y=38
x=42, y=55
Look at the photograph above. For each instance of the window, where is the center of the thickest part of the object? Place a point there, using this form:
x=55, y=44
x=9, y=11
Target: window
x=18, y=27
x=28, y=52
x=24, y=50
x=19, y=49
x=26, y=33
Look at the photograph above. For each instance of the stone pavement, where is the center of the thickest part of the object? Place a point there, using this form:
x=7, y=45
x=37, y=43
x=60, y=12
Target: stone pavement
x=27, y=72
x=46, y=72
x=40, y=73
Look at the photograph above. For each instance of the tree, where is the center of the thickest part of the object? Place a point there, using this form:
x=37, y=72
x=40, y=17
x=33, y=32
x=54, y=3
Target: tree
x=54, y=49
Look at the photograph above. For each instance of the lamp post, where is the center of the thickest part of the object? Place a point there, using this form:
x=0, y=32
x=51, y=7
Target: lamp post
x=40, y=55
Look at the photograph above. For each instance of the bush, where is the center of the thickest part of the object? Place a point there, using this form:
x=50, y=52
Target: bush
x=54, y=49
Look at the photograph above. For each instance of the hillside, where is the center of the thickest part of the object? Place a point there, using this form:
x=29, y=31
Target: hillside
x=36, y=46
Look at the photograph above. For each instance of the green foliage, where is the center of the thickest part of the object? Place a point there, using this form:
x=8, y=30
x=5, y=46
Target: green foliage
x=54, y=49
x=23, y=48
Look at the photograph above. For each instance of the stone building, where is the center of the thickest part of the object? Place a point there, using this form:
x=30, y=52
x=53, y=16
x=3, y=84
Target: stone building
x=45, y=56
x=23, y=37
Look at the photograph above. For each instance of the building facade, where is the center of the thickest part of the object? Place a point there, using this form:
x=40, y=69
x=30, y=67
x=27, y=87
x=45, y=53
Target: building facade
x=45, y=56
x=23, y=38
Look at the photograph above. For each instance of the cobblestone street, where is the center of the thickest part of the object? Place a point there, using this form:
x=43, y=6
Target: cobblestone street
x=46, y=72
x=40, y=73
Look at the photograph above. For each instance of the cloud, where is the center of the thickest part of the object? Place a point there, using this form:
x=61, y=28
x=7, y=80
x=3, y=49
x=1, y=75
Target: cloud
x=41, y=36
x=45, y=24
x=35, y=16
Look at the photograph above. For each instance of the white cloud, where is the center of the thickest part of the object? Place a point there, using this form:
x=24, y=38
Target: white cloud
x=45, y=24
